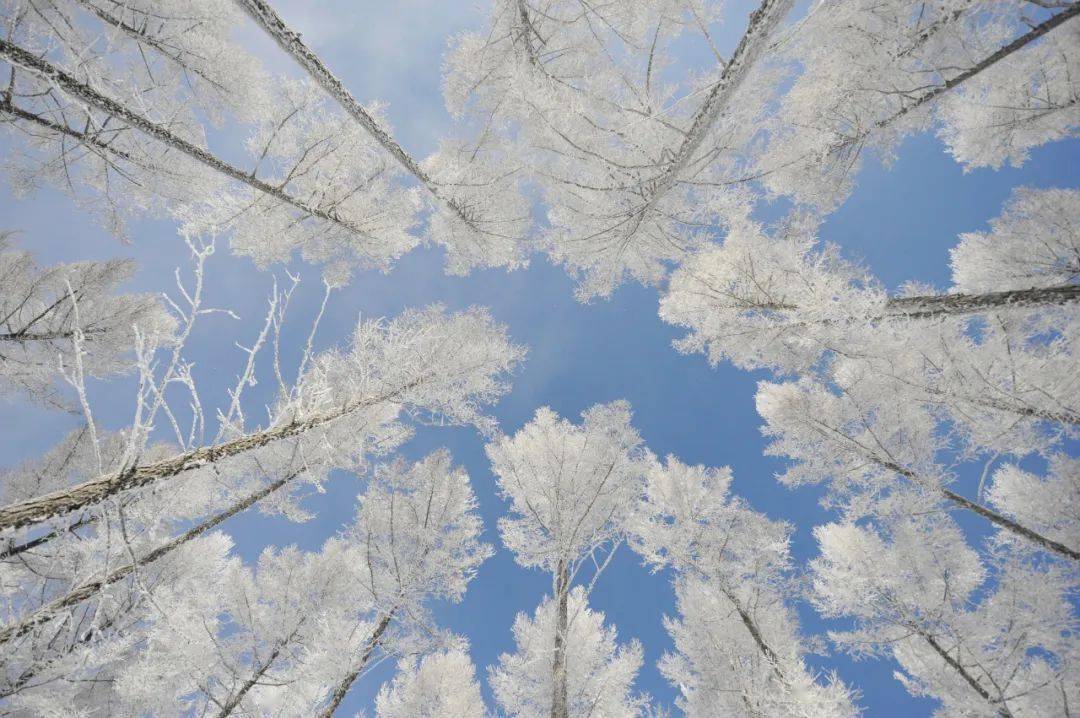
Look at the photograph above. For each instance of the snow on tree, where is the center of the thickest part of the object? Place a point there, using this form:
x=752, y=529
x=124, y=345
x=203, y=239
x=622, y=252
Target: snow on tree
x=440, y=684
x=423, y=363
x=598, y=672
x=994, y=77
x=629, y=163
x=292, y=636
x=49, y=314
x=571, y=490
x=918, y=593
x=70, y=577
x=1033, y=244
x=737, y=645
x=160, y=61
x=479, y=215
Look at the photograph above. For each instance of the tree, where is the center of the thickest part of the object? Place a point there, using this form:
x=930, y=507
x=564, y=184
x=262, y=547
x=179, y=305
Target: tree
x=477, y=227
x=295, y=633
x=626, y=160
x=737, y=645
x=422, y=362
x=440, y=684
x=571, y=489
x=912, y=588
x=50, y=315
x=598, y=673
x=870, y=74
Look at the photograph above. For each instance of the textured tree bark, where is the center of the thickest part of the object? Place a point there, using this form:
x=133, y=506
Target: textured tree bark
x=81, y=91
x=95, y=490
x=959, y=304
x=346, y=683
x=560, y=707
x=289, y=41
x=87, y=590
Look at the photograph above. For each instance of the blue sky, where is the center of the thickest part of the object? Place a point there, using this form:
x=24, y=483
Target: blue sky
x=901, y=221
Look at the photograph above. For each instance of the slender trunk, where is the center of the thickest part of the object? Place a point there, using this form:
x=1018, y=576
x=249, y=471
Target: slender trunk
x=929, y=306
x=762, y=23
x=1034, y=34
x=289, y=41
x=560, y=705
x=95, y=490
x=234, y=700
x=15, y=549
x=755, y=633
x=343, y=687
x=87, y=590
x=968, y=678
x=74, y=88
x=84, y=138
x=151, y=42
x=987, y=513
x=46, y=336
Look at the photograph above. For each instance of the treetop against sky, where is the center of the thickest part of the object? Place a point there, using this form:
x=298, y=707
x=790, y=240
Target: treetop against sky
x=540, y=358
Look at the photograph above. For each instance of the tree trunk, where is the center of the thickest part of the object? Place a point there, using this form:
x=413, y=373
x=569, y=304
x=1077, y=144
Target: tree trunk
x=987, y=513
x=95, y=490
x=1000, y=54
x=346, y=683
x=83, y=92
x=234, y=700
x=87, y=590
x=960, y=304
x=560, y=705
x=762, y=22
x=289, y=41
x=968, y=678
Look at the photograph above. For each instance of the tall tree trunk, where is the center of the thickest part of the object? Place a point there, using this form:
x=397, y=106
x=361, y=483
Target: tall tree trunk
x=343, y=687
x=87, y=590
x=968, y=678
x=965, y=503
x=289, y=41
x=81, y=91
x=560, y=705
x=95, y=490
x=960, y=304
x=762, y=23
x=989, y=61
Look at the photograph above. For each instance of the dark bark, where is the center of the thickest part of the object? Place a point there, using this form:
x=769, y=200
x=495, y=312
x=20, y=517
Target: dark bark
x=234, y=700
x=987, y=62
x=89, y=589
x=346, y=683
x=987, y=513
x=960, y=304
x=74, y=88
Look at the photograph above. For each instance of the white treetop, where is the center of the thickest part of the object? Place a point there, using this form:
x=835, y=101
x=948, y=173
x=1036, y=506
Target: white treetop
x=918, y=593
x=441, y=684
x=600, y=673
x=570, y=487
x=737, y=644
